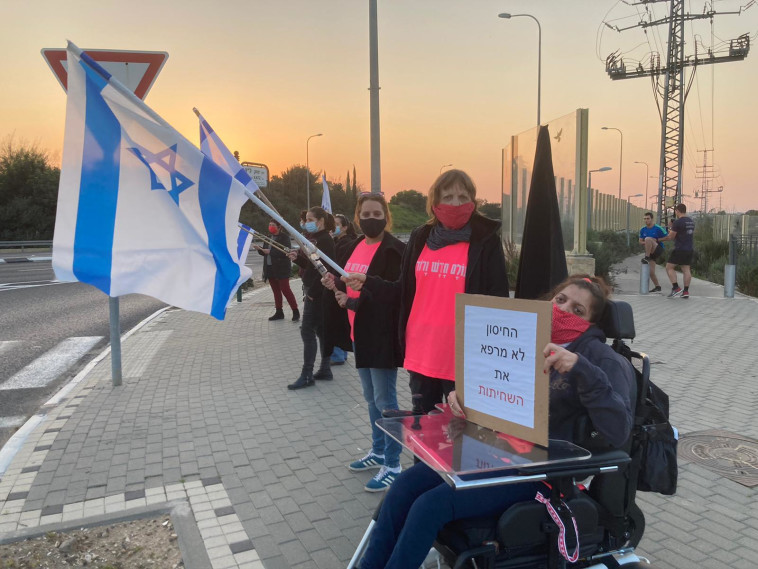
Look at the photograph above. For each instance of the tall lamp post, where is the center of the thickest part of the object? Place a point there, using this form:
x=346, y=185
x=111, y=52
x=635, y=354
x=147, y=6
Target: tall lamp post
x=628, y=207
x=308, y=172
x=589, y=193
x=647, y=177
x=444, y=166
x=621, y=152
x=508, y=16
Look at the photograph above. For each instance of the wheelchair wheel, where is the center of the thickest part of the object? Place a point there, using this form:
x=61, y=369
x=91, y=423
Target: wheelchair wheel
x=636, y=526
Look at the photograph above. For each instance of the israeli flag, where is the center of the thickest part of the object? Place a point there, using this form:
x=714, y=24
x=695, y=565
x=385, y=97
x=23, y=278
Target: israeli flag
x=244, y=240
x=326, y=199
x=140, y=209
x=214, y=148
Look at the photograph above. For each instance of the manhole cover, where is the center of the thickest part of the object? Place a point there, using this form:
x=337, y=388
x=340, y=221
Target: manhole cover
x=733, y=456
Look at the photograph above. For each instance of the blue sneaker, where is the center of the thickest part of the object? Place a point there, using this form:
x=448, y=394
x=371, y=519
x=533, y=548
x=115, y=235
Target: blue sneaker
x=383, y=480
x=367, y=463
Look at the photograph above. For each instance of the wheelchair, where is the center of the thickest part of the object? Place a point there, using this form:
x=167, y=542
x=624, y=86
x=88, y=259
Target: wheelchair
x=609, y=523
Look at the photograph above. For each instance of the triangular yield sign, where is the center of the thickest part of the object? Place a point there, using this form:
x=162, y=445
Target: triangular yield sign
x=135, y=69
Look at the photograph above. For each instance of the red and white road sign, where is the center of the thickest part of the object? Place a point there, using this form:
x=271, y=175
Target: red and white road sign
x=135, y=69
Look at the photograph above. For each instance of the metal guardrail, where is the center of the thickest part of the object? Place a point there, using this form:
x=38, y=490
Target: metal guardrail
x=26, y=245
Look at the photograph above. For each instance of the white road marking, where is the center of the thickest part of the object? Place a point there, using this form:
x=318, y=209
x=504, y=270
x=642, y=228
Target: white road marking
x=6, y=345
x=10, y=422
x=28, y=284
x=50, y=365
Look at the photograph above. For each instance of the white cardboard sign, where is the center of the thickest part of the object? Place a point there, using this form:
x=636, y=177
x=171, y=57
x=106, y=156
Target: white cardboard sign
x=499, y=360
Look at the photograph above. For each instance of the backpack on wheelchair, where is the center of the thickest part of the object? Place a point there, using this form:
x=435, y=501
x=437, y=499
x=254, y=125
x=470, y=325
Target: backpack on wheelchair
x=608, y=522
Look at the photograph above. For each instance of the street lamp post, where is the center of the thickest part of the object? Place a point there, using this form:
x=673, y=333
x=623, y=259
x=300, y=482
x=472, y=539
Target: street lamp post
x=621, y=152
x=628, y=207
x=647, y=177
x=444, y=166
x=308, y=172
x=589, y=193
x=539, y=55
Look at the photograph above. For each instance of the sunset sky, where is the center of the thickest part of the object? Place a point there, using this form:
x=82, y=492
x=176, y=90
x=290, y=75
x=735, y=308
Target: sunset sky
x=456, y=82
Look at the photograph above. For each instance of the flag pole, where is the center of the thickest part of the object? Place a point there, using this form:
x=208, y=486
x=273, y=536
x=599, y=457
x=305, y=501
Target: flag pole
x=313, y=252
x=265, y=239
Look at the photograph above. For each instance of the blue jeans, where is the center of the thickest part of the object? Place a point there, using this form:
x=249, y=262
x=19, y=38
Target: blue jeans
x=380, y=392
x=419, y=503
x=338, y=354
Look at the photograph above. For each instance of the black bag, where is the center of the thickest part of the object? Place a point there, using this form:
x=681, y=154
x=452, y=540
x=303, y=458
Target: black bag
x=654, y=443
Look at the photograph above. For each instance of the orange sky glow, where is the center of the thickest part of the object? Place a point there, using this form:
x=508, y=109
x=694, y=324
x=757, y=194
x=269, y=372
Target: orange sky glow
x=456, y=82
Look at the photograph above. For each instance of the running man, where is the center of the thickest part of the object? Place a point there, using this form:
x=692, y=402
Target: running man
x=682, y=233
x=650, y=236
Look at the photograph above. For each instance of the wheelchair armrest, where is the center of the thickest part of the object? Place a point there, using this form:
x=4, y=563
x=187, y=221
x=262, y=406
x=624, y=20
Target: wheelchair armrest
x=598, y=463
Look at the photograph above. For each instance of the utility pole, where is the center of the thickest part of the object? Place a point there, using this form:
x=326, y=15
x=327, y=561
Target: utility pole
x=376, y=162
x=670, y=84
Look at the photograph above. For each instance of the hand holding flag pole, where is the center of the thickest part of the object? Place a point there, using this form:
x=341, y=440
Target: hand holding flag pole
x=213, y=147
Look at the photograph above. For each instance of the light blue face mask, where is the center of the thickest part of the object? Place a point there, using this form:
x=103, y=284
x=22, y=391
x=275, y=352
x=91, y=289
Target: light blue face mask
x=311, y=227
x=337, y=230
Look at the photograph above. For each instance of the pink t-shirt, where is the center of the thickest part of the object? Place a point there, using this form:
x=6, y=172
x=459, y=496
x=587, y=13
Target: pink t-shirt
x=358, y=263
x=430, y=333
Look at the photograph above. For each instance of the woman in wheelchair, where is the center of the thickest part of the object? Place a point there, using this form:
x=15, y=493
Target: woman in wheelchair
x=587, y=379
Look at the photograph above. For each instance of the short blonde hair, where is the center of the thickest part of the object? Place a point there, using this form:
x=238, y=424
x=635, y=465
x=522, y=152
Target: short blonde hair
x=448, y=179
x=378, y=198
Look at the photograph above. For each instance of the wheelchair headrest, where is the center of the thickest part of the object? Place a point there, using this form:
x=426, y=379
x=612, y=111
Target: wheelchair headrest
x=617, y=321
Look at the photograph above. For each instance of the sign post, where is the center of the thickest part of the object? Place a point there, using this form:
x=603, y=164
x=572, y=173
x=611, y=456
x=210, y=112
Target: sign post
x=499, y=361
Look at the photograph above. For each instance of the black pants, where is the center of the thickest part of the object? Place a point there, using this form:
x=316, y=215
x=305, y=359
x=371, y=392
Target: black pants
x=431, y=389
x=311, y=329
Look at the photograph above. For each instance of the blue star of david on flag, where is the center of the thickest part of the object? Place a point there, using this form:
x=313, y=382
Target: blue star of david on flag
x=166, y=159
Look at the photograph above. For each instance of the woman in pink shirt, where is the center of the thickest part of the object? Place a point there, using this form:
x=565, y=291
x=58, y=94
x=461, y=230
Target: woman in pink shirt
x=373, y=330
x=457, y=250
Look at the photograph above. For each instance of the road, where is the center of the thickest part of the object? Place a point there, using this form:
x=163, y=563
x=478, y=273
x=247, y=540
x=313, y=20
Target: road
x=50, y=330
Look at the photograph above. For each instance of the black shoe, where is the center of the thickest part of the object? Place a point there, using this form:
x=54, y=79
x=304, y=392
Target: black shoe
x=645, y=260
x=305, y=380
x=295, y=315
x=325, y=374
x=278, y=315
x=655, y=289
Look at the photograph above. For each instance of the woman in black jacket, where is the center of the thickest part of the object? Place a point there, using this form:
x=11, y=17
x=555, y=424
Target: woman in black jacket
x=374, y=329
x=318, y=224
x=457, y=250
x=277, y=268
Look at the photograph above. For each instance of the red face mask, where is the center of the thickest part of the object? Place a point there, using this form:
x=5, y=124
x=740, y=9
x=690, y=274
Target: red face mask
x=454, y=216
x=567, y=327
x=272, y=228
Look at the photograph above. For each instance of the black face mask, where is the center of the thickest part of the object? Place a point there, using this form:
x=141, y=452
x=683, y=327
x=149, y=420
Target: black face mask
x=372, y=227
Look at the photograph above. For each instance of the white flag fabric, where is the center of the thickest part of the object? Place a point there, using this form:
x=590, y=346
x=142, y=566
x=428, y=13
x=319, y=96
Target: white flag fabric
x=326, y=200
x=140, y=209
x=215, y=149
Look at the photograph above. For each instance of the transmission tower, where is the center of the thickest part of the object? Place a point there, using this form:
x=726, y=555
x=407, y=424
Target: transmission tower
x=670, y=83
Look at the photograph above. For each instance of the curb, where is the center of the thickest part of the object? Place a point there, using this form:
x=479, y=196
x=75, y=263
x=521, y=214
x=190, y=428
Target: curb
x=24, y=260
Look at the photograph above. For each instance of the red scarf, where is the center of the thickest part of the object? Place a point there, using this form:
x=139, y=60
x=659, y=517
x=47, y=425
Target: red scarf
x=567, y=327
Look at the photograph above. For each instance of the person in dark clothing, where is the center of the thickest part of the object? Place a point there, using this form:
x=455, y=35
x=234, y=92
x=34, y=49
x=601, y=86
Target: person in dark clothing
x=277, y=268
x=682, y=233
x=344, y=238
x=374, y=332
x=457, y=250
x=318, y=224
x=587, y=378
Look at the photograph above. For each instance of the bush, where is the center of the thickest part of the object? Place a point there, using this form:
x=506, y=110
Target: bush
x=608, y=248
x=747, y=278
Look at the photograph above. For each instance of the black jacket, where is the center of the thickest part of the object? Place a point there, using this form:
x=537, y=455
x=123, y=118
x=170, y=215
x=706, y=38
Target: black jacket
x=311, y=277
x=485, y=271
x=376, y=326
x=280, y=264
x=599, y=386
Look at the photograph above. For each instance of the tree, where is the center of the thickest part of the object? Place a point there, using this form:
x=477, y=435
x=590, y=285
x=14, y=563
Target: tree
x=413, y=200
x=28, y=192
x=491, y=210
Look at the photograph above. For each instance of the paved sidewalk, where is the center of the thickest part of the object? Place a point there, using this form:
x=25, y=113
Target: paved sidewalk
x=204, y=417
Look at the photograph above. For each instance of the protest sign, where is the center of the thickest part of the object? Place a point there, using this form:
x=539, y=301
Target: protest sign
x=498, y=364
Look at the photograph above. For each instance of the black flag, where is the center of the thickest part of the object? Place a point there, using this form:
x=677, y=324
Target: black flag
x=542, y=263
